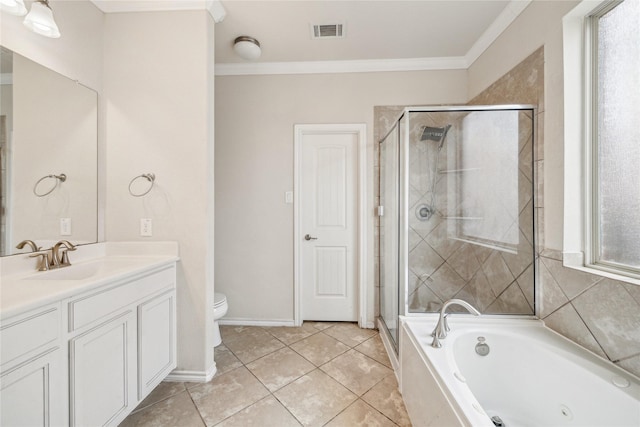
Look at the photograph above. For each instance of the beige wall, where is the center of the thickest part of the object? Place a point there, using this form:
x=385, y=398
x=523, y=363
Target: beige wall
x=255, y=116
x=158, y=91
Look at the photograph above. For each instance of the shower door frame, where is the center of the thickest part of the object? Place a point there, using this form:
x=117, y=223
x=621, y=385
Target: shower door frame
x=403, y=214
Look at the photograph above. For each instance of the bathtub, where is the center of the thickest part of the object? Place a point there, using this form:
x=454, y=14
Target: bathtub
x=530, y=377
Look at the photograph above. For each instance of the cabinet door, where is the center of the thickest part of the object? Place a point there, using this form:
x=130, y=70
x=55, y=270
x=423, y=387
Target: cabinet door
x=156, y=341
x=33, y=394
x=103, y=372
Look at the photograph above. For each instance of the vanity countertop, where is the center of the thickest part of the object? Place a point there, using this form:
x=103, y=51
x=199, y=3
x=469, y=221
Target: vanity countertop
x=22, y=290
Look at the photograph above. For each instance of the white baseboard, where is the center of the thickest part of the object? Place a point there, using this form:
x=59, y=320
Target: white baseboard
x=255, y=322
x=192, y=376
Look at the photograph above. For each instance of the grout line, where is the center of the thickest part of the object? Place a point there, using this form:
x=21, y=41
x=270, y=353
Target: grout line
x=590, y=331
x=196, y=407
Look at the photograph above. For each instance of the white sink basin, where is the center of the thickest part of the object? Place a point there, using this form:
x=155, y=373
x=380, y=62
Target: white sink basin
x=85, y=270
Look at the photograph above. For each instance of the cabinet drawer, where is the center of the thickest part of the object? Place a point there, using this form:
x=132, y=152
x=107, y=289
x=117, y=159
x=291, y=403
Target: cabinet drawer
x=22, y=334
x=89, y=308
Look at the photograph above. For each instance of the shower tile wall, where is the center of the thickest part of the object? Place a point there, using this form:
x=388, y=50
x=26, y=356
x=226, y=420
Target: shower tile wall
x=600, y=314
x=482, y=194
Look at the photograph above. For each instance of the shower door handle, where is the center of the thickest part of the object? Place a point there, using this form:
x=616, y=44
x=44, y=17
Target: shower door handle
x=307, y=237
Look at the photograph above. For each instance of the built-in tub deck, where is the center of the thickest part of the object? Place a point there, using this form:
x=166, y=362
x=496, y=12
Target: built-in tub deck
x=531, y=376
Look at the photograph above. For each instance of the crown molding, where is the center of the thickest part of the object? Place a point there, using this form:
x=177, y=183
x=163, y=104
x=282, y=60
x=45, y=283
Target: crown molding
x=355, y=66
x=506, y=18
x=115, y=6
x=216, y=10
x=214, y=7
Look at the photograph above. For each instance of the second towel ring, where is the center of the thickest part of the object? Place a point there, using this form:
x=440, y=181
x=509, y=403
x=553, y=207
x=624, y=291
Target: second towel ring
x=149, y=177
x=62, y=178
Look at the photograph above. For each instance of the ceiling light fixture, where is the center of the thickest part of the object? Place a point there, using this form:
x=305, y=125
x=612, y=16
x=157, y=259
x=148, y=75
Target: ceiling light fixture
x=40, y=20
x=14, y=7
x=247, y=47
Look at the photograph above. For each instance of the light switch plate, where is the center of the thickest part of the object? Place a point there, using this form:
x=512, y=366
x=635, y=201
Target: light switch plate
x=65, y=226
x=146, y=227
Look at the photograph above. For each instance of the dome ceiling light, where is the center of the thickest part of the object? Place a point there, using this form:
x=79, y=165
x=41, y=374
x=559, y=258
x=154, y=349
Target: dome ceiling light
x=247, y=47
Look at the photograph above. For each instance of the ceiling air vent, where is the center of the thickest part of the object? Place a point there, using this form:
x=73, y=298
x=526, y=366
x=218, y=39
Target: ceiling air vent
x=327, y=31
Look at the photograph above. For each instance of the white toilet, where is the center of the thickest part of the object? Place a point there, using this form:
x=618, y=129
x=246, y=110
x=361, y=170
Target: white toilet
x=220, y=308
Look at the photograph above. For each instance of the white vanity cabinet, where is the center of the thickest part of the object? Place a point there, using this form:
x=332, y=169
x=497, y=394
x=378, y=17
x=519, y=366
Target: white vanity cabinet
x=122, y=344
x=33, y=374
x=156, y=341
x=90, y=351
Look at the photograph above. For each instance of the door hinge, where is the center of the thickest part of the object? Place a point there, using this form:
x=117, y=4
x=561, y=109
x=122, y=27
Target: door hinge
x=380, y=210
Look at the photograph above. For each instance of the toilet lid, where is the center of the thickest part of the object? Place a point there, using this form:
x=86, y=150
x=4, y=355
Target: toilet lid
x=219, y=299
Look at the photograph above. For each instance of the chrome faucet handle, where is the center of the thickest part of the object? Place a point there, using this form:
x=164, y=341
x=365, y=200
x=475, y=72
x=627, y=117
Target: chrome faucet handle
x=43, y=264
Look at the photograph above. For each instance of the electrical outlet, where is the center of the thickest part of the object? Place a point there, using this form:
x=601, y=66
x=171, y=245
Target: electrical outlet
x=146, y=227
x=65, y=226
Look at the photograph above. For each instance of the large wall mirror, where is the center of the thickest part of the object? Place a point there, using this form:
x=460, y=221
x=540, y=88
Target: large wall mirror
x=48, y=156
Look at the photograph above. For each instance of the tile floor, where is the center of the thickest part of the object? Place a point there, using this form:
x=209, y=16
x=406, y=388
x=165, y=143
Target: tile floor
x=320, y=374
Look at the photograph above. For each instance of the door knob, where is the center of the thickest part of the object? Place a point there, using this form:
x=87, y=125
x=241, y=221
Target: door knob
x=307, y=237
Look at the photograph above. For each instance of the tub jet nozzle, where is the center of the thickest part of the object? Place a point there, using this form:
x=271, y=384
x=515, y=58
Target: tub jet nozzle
x=497, y=421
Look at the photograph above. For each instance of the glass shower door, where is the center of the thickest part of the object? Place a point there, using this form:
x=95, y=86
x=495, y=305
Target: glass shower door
x=389, y=233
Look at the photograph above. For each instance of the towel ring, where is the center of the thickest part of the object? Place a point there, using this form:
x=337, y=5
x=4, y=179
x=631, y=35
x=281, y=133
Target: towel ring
x=149, y=177
x=62, y=178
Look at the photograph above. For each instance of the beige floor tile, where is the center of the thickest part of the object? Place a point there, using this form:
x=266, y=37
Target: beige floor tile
x=320, y=325
x=315, y=398
x=227, y=331
x=225, y=360
x=266, y=412
x=177, y=410
x=319, y=348
x=360, y=414
x=386, y=398
x=289, y=335
x=227, y=394
x=374, y=348
x=356, y=371
x=162, y=391
x=350, y=333
x=251, y=343
x=279, y=368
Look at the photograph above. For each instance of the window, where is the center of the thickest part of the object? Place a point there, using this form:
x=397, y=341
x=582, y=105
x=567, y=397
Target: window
x=601, y=60
x=613, y=138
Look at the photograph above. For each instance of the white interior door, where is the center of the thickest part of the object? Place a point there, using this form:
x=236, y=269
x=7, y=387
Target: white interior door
x=328, y=224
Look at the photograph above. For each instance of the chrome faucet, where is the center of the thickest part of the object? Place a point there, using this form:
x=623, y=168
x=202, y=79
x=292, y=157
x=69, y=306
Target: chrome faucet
x=56, y=261
x=442, y=327
x=31, y=243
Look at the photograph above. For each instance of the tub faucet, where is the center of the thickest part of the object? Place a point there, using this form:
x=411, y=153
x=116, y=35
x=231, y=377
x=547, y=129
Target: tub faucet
x=442, y=327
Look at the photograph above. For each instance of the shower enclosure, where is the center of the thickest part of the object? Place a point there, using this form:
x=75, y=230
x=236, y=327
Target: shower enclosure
x=456, y=212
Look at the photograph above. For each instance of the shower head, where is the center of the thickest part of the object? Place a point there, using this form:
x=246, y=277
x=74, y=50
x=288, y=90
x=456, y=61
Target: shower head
x=435, y=134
